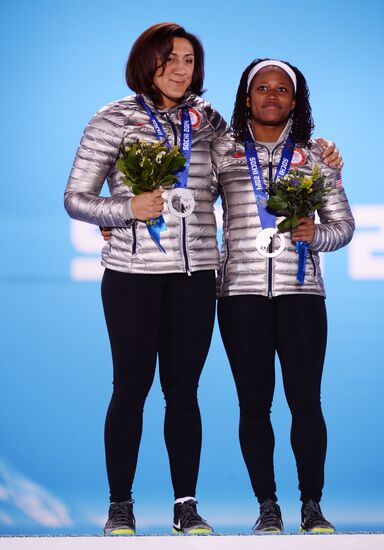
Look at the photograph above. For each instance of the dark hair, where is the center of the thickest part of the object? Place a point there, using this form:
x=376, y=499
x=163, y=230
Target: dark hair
x=154, y=43
x=302, y=126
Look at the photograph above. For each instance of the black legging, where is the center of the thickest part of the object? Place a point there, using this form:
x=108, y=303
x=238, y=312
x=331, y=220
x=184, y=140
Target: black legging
x=170, y=316
x=253, y=329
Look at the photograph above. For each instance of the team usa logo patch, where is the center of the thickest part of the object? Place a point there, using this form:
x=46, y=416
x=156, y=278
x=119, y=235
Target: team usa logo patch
x=298, y=158
x=195, y=117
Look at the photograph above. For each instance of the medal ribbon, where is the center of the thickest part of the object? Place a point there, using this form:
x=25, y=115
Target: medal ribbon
x=185, y=138
x=158, y=225
x=185, y=147
x=267, y=219
x=302, y=250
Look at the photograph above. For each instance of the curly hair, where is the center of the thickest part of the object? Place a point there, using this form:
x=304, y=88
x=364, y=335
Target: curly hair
x=302, y=121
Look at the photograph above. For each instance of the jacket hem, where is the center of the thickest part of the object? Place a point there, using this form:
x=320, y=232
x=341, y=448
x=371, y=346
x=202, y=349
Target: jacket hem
x=275, y=294
x=167, y=269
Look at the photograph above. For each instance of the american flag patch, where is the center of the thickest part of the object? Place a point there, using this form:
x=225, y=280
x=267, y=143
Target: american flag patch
x=339, y=181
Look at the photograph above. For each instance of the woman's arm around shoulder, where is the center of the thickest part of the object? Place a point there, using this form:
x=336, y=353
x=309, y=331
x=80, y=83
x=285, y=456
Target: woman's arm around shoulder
x=215, y=120
x=222, y=149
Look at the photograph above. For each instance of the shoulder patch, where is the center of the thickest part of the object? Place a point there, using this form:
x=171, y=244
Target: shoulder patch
x=195, y=117
x=298, y=158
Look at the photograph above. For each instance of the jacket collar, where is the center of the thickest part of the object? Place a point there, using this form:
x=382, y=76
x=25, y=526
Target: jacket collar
x=187, y=101
x=285, y=133
x=283, y=136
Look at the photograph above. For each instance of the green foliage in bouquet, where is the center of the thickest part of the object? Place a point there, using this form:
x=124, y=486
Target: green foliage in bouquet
x=148, y=166
x=296, y=195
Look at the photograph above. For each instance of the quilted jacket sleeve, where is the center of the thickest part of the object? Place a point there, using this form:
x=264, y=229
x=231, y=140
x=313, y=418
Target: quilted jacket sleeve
x=95, y=160
x=337, y=224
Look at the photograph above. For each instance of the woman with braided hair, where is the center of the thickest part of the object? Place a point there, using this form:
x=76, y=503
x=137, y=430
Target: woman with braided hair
x=263, y=309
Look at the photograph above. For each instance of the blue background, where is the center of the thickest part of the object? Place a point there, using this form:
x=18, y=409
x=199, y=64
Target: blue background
x=60, y=63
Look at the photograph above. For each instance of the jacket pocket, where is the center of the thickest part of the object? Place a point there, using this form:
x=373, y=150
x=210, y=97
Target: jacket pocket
x=313, y=263
x=224, y=270
x=134, y=238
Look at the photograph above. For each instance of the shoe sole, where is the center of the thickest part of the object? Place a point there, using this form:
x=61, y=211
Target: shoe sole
x=196, y=531
x=318, y=530
x=113, y=532
x=268, y=532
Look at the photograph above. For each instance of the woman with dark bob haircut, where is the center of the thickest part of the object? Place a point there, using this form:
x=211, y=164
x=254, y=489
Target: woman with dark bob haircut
x=153, y=47
x=156, y=304
x=159, y=302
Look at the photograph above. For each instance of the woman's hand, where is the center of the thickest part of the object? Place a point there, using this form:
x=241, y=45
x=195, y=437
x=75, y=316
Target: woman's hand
x=106, y=232
x=148, y=206
x=330, y=154
x=305, y=230
x=145, y=207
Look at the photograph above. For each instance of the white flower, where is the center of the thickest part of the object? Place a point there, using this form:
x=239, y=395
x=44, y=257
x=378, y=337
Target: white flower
x=159, y=156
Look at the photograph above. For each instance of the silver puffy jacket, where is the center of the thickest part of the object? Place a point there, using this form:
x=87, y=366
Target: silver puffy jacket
x=190, y=243
x=243, y=269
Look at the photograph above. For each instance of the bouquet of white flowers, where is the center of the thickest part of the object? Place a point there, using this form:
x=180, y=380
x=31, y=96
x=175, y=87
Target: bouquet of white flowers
x=146, y=167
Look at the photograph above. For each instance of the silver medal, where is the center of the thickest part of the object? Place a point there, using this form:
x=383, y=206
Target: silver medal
x=265, y=238
x=181, y=202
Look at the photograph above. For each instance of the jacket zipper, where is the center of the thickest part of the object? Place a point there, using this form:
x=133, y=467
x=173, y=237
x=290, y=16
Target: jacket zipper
x=184, y=223
x=270, y=264
x=270, y=174
x=173, y=128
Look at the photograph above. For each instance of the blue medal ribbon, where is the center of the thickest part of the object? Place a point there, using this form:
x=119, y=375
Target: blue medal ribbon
x=159, y=130
x=158, y=225
x=185, y=147
x=302, y=250
x=267, y=218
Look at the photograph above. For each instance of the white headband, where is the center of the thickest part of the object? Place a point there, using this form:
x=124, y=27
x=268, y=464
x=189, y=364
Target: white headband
x=268, y=63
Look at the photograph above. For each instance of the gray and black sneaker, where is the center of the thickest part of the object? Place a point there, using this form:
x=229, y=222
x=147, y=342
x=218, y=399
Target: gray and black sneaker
x=187, y=521
x=312, y=519
x=269, y=520
x=121, y=520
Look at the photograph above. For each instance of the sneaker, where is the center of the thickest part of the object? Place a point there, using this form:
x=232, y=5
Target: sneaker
x=121, y=520
x=269, y=520
x=187, y=521
x=312, y=520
